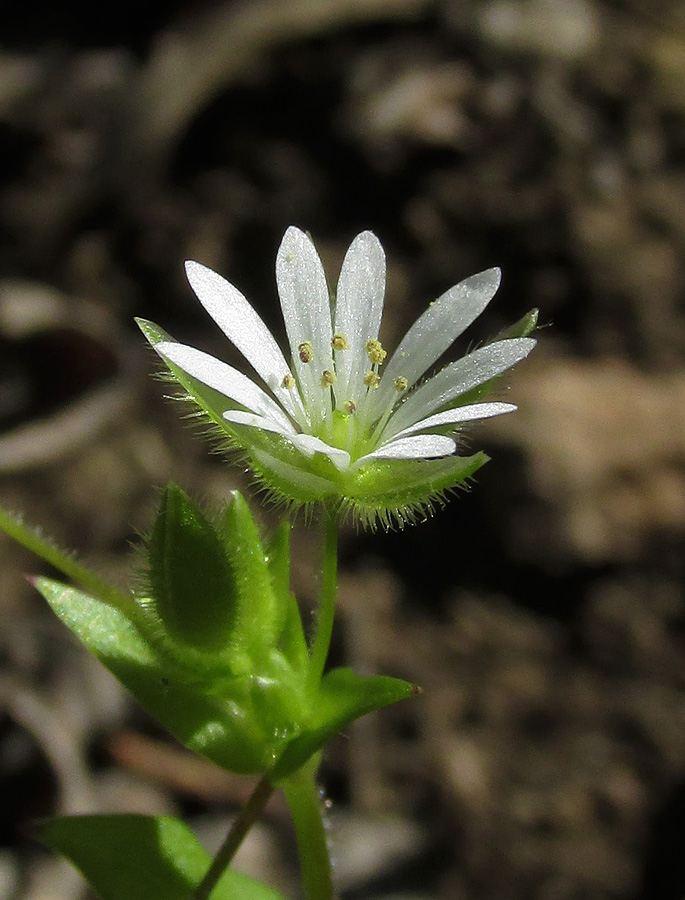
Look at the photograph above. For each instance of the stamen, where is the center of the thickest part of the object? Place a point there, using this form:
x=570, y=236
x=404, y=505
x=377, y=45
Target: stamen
x=306, y=352
x=339, y=342
x=372, y=380
x=400, y=384
x=350, y=407
x=375, y=352
x=328, y=378
x=288, y=382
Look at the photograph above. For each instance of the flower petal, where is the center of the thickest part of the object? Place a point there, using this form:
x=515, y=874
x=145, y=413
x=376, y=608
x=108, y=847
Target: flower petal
x=457, y=378
x=263, y=423
x=359, y=305
x=309, y=445
x=245, y=329
x=422, y=446
x=222, y=378
x=307, y=313
x=436, y=330
x=469, y=413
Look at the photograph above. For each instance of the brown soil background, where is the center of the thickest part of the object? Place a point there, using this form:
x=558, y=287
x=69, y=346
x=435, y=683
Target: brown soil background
x=543, y=612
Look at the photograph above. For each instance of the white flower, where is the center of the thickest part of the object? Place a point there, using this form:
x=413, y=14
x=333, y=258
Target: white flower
x=336, y=416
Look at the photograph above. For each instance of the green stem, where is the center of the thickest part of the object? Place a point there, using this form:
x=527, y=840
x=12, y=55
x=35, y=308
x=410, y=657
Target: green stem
x=89, y=581
x=329, y=590
x=305, y=807
x=246, y=819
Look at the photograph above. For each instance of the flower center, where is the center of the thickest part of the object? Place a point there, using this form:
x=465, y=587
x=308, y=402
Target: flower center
x=353, y=424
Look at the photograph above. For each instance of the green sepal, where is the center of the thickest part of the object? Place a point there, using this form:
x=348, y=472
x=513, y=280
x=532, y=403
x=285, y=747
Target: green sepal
x=404, y=491
x=147, y=857
x=524, y=327
x=211, y=403
x=283, y=470
x=214, y=717
x=193, y=584
x=342, y=697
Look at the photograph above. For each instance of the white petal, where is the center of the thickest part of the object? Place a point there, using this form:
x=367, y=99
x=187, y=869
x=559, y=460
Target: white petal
x=307, y=312
x=469, y=413
x=458, y=378
x=238, y=417
x=422, y=446
x=246, y=330
x=358, y=310
x=222, y=378
x=309, y=445
x=436, y=330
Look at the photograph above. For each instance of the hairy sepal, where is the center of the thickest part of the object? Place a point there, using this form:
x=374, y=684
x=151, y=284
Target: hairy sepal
x=396, y=493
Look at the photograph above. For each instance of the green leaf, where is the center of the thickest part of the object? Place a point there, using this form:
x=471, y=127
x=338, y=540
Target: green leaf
x=127, y=857
x=193, y=582
x=343, y=697
x=213, y=717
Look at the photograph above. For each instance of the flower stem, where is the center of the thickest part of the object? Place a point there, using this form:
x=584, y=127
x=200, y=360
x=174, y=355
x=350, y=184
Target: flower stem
x=246, y=819
x=329, y=590
x=305, y=807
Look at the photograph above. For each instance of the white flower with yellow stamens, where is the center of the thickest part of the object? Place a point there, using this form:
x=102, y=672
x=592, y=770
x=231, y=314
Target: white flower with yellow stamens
x=334, y=421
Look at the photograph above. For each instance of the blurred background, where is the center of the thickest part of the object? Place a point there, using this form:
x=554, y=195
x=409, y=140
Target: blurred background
x=543, y=612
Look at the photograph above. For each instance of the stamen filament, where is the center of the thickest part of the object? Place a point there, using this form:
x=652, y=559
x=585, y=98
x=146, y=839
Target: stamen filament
x=400, y=384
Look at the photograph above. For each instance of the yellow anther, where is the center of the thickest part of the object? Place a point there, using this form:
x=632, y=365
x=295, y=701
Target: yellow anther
x=339, y=342
x=372, y=380
x=328, y=378
x=401, y=384
x=288, y=382
x=306, y=352
x=349, y=407
x=375, y=352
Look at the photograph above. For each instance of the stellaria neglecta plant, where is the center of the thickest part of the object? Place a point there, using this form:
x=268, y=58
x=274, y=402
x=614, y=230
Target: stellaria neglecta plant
x=212, y=641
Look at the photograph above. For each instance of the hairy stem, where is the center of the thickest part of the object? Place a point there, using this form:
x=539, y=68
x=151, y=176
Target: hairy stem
x=84, y=578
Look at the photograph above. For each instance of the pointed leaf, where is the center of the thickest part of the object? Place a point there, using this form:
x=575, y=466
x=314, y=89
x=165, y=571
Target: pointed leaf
x=211, y=716
x=343, y=697
x=147, y=857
